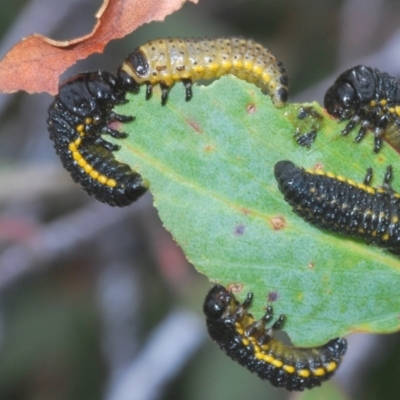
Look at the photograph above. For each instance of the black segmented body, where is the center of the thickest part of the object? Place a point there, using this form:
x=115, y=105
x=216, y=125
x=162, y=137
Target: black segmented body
x=78, y=116
x=343, y=206
x=366, y=97
x=252, y=345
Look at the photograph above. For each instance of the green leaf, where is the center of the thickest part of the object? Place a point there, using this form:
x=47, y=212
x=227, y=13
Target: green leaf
x=210, y=164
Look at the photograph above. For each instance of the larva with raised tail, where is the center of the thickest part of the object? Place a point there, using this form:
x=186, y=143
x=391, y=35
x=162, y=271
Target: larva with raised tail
x=252, y=345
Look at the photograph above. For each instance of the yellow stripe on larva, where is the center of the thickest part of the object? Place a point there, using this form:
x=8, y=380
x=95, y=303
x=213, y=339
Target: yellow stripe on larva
x=111, y=182
x=351, y=182
x=259, y=350
x=331, y=175
x=318, y=171
x=256, y=347
x=362, y=186
x=303, y=373
x=260, y=355
x=331, y=366
x=370, y=189
x=81, y=161
x=88, y=168
x=289, y=369
x=72, y=147
x=273, y=354
x=267, y=358
x=102, y=179
x=239, y=329
x=94, y=174
x=277, y=363
x=318, y=372
x=80, y=128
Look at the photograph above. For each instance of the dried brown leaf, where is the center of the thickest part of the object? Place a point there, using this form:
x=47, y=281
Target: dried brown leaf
x=36, y=62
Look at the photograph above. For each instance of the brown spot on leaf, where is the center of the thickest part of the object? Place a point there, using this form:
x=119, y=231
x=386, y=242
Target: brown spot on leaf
x=272, y=296
x=318, y=166
x=245, y=211
x=278, y=223
x=251, y=108
x=36, y=62
x=194, y=125
x=239, y=230
x=235, y=287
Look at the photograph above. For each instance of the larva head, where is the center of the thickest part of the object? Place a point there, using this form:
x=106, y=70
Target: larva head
x=87, y=93
x=354, y=87
x=127, y=82
x=217, y=302
x=136, y=66
x=289, y=177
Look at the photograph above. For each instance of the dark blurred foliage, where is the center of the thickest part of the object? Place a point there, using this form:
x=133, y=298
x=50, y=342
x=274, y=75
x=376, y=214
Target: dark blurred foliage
x=101, y=303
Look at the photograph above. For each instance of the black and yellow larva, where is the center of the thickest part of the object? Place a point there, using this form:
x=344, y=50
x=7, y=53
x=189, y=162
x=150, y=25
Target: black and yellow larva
x=83, y=109
x=343, y=206
x=78, y=116
x=166, y=61
x=252, y=345
x=367, y=97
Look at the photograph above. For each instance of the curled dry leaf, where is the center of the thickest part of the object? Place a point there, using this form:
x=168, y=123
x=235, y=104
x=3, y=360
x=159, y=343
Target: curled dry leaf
x=36, y=62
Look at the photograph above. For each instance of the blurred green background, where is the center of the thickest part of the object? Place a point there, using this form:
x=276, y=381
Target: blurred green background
x=91, y=295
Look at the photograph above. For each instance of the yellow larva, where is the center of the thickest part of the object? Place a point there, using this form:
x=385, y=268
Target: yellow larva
x=166, y=61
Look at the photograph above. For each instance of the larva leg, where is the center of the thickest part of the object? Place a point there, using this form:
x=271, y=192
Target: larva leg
x=188, y=87
x=368, y=177
x=107, y=145
x=149, y=90
x=377, y=143
x=388, y=177
x=348, y=128
x=361, y=133
x=278, y=324
x=164, y=93
x=120, y=118
x=242, y=308
x=113, y=132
